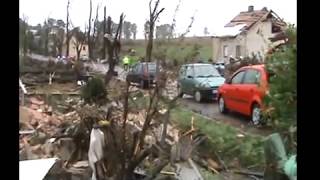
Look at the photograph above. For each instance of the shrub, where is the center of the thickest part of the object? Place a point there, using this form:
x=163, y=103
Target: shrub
x=94, y=91
x=282, y=97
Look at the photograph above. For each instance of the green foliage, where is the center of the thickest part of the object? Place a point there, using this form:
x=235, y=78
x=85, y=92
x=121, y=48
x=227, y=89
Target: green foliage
x=223, y=139
x=94, y=91
x=282, y=97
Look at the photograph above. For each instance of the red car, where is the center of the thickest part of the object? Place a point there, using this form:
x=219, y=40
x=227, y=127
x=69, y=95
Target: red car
x=244, y=92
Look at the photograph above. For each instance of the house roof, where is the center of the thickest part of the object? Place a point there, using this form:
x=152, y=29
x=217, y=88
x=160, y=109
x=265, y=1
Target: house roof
x=245, y=20
x=248, y=18
x=230, y=31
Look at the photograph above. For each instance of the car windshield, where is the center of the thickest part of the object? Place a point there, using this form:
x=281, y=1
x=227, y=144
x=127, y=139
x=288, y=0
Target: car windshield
x=206, y=71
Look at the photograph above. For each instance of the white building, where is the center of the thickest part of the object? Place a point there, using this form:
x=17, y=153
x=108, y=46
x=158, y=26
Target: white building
x=246, y=34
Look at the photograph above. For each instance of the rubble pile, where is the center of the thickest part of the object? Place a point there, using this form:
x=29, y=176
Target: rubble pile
x=77, y=137
x=38, y=124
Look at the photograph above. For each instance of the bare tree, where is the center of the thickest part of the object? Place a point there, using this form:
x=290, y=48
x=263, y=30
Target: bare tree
x=113, y=46
x=104, y=32
x=188, y=28
x=23, y=33
x=146, y=30
x=173, y=24
x=206, y=31
x=154, y=14
x=89, y=32
x=95, y=31
x=134, y=30
x=68, y=36
x=79, y=40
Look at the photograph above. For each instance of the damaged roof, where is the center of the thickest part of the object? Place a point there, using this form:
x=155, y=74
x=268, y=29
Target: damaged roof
x=245, y=20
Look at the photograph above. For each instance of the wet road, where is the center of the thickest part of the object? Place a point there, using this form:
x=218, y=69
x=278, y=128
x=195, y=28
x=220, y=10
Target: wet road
x=211, y=110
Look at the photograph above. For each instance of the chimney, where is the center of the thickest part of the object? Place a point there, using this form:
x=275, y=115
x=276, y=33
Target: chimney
x=250, y=9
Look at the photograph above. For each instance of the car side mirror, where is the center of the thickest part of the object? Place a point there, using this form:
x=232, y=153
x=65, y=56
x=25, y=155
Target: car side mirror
x=190, y=77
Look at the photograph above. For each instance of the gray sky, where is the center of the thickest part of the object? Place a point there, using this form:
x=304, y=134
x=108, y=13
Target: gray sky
x=213, y=14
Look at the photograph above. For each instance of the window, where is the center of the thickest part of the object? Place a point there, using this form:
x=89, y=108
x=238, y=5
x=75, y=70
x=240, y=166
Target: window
x=237, y=79
x=225, y=50
x=84, y=48
x=206, y=71
x=251, y=77
x=238, y=51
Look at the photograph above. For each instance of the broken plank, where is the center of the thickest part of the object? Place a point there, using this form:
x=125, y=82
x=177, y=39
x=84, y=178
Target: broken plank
x=258, y=174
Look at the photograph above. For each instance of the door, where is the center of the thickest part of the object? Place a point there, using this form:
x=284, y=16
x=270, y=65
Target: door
x=189, y=80
x=232, y=91
x=248, y=90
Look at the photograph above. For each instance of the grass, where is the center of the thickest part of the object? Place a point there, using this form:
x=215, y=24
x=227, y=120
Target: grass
x=223, y=139
x=174, y=49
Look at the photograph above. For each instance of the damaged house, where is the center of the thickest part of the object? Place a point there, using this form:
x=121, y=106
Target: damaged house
x=248, y=33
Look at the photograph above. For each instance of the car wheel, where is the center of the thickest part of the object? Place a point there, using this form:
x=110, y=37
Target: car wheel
x=198, y=96
x=222, y=105
x=256, y=115
x=180, y=93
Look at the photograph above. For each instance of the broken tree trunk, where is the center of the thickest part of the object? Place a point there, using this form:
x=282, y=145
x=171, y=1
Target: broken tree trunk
x=104, y=32
x=51, y=75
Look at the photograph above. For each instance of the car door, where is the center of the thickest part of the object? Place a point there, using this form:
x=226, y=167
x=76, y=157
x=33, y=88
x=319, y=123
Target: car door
x=248, y=90
x=232, y=91
x=189, y=80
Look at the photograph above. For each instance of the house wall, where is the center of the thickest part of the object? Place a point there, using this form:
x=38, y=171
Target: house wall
x=231, y=43
x=253, y=41
x=257, y=38
x=72, y=49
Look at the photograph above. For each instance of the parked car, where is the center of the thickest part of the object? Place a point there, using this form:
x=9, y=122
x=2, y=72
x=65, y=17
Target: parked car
x=143, y=73
x=244, y=92
x=200, y=80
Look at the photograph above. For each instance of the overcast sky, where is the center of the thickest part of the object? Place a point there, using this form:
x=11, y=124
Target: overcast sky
x=213, y=14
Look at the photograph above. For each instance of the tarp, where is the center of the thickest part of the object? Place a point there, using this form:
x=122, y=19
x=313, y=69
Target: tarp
x=35, y=169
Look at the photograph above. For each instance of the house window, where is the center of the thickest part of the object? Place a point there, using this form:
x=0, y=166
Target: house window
x=238, y=51
x=84, y=48
x=225, y=51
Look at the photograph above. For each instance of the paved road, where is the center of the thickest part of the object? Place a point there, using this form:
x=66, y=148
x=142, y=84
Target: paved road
x=211, y=110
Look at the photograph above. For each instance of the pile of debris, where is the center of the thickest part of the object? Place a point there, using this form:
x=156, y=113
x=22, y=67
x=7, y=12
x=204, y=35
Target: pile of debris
x=96, y=138
x=38, y=123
